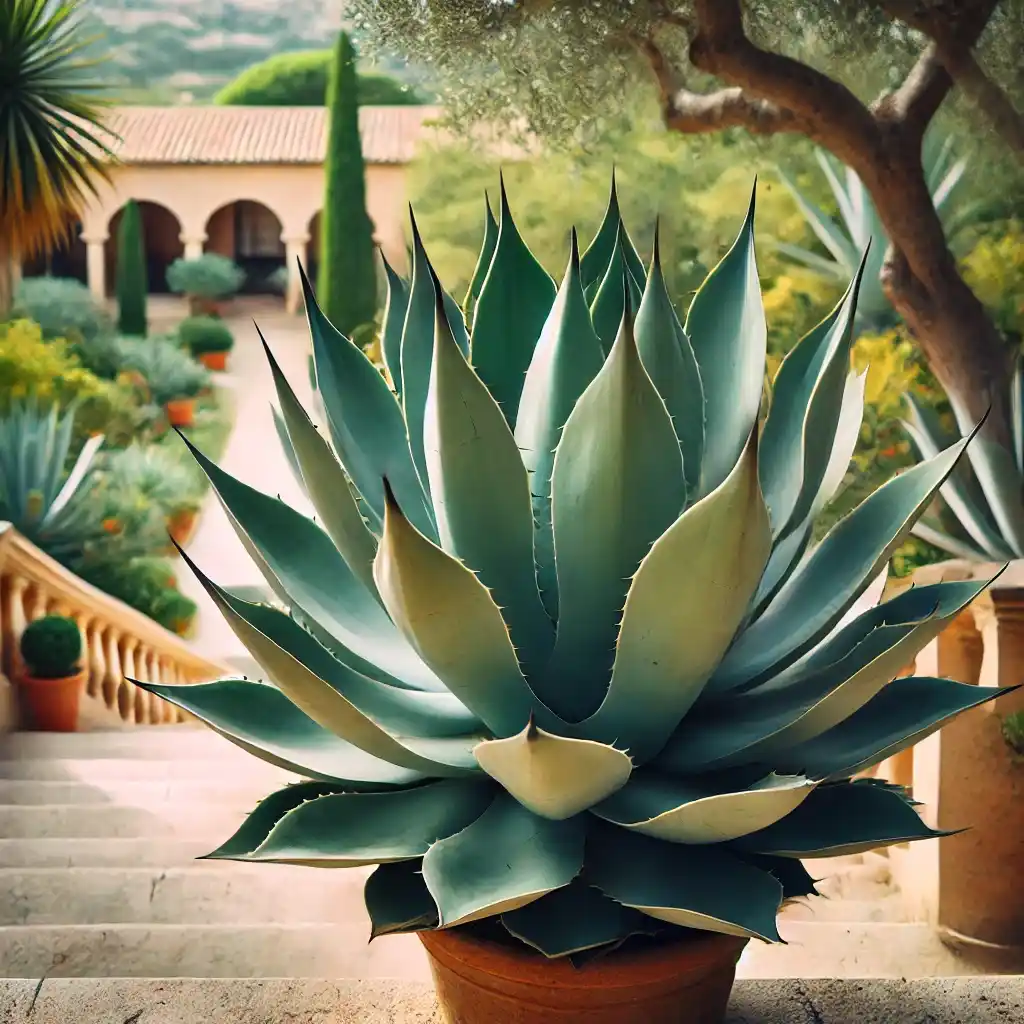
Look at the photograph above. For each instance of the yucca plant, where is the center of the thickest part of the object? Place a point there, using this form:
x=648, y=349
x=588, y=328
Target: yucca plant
x=556, y=658
x=861, y=228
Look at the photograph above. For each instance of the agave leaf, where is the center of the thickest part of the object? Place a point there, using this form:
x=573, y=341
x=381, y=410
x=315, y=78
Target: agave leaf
x=1017, y=412
x=575, y=918
x=289, y=449
x=727, y=330
x=364, y=419
x=836, y=680
x=355, y=829
x=306, y=571
x=842, y=198
x=398, y=900
x=263, y=721
x=785, y=557
x=418, y=352
x=964, y=502
x=554, y=776
x=331, y=708
x=481, y=493
x=829, y=234
x=820, y=264
x=851, y=415
x=677, y=624
x=451, y=620
x=617, y=485
x=608, y=305
x=947, y=186
x=800, y=431
x=536, y=855
x=75, y=478
x=795, y=879
x=668, y=358
x=483, y=263
x=946, y=542
x=905, y=712
x=60, y=431
x=690, y=886
x=835, y=574
x=699, y=811
x=594, y=263
x=327, y=485
x=841, y=819
x=565, y=361
x=514, y=302
x=257, y=826
x=395, y=310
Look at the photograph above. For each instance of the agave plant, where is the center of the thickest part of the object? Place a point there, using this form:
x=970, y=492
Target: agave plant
x=980, y=512
x=169, y=371
x=50, y=509
x=861, y=229
x=555, y=657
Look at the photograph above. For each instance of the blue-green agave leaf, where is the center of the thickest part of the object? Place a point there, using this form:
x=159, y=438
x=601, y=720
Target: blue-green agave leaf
x=698, y=811
x=794, y=878
x=481, y=494
x=483, y=263
x=678, y=622
x=395, y=310
x=326, y=484
x=289, y=449
x=841, y=819
x=835, y=574
x=554, y=776
x=576, y=918
x=955, y=546
x=821, y=265
x=567, y=358
x=727, y=330
x=398, y=900
x=262, y=720
x=851, y=416
x=691, y=886
x=829, y=234
x=1017, y=411
x=594, y=263
x=453, y=623
x=785, y=557
x=514, y=302
x=306, y=571
x=418, y=352
x=354, y=829
x=617, y=485
x=536, y=855
x=364, y=418
x=668, y=358
x=608, y=305
x=905, y=712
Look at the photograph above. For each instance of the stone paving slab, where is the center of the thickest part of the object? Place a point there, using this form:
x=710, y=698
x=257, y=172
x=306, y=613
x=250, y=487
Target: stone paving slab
x=982, y=1000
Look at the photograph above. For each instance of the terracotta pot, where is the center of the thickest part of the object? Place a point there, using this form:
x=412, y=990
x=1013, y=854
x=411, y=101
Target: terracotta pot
x=52, y=704
x=182, y=525
x=181, y=412
x=216, y=361
x=481, y=982
x=198, y=306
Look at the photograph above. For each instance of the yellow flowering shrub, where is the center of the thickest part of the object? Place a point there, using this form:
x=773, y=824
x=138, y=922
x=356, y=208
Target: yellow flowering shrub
x=994, y=269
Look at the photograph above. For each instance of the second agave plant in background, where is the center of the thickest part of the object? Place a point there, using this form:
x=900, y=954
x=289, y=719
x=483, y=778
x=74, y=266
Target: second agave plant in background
x=558, y=657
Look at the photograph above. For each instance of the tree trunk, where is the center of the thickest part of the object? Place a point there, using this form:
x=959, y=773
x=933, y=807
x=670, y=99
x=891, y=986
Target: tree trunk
x=7, y=275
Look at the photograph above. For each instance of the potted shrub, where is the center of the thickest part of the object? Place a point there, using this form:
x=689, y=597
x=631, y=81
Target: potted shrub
x=208, y=339
x=205, y=281
x=589, y=766
x=51, y=685
x=174, y=378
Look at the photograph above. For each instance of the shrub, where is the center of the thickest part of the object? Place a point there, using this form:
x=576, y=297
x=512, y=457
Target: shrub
x=52, y=647
x=63, y=307
x=146, y=584
x=205, y=334
x=169, y=372
x=994, y=268
x=211, y=276
x=131, y=273
x=153, y=474
x=300, y=80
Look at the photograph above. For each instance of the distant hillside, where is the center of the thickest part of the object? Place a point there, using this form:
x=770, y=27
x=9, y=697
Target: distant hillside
x=179, y=51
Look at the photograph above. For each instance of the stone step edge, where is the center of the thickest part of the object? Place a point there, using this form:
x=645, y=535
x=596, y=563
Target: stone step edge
x=982, y=1000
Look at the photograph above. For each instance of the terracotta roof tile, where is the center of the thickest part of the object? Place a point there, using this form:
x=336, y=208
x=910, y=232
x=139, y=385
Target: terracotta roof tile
x=258, y=135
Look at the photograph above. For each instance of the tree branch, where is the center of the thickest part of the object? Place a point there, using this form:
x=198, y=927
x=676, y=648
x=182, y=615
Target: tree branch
x=918, y=99
x=987, y=96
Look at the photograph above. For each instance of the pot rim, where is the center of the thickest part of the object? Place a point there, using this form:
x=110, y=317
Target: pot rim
x=27, y=677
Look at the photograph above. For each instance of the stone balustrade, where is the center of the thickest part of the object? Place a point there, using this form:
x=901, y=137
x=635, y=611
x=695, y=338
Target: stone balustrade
x=117, y=640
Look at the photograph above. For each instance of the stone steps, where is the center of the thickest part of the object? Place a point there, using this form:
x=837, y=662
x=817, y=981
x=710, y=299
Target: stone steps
x=96, y=770
x=83, y=821
x=106, y=853
x=240, y=792
x=144, y=743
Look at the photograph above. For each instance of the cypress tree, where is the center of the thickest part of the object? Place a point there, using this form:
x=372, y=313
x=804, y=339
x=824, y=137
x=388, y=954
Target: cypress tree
x=347, y=279
x=131, y=273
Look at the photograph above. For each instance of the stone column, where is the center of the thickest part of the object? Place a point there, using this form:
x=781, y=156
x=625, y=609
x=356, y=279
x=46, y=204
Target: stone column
x=193, y=245
x=295, y=251
x=96, y=264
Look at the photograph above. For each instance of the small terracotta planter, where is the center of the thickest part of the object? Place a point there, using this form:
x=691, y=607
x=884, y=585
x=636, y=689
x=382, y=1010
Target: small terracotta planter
x=182, y=525
x=215, y=361
x=52, y=704
x=181, y=412
x=481, y=982
x=199, y=306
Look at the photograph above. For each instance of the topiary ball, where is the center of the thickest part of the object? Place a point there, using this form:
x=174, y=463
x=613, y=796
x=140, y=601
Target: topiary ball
x=52, y=647
x=205, y=334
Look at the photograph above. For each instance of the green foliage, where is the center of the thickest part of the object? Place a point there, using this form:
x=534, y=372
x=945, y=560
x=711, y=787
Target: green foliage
x=52, y=647
x=210, y=276
x=147, y=584
x=63, y=308
x=168, y=371
x=301, y=80
x=994, y=268
x=503, y=688
x=347, y=273
x=1013, y=732
x=151, y=475
x=132, y=285
x=205, y=334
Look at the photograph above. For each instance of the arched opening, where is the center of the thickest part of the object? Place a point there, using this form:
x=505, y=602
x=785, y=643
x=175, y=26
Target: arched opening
x=250, y=234
x=313, y=249
x=67, y=259
x=161, y=241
